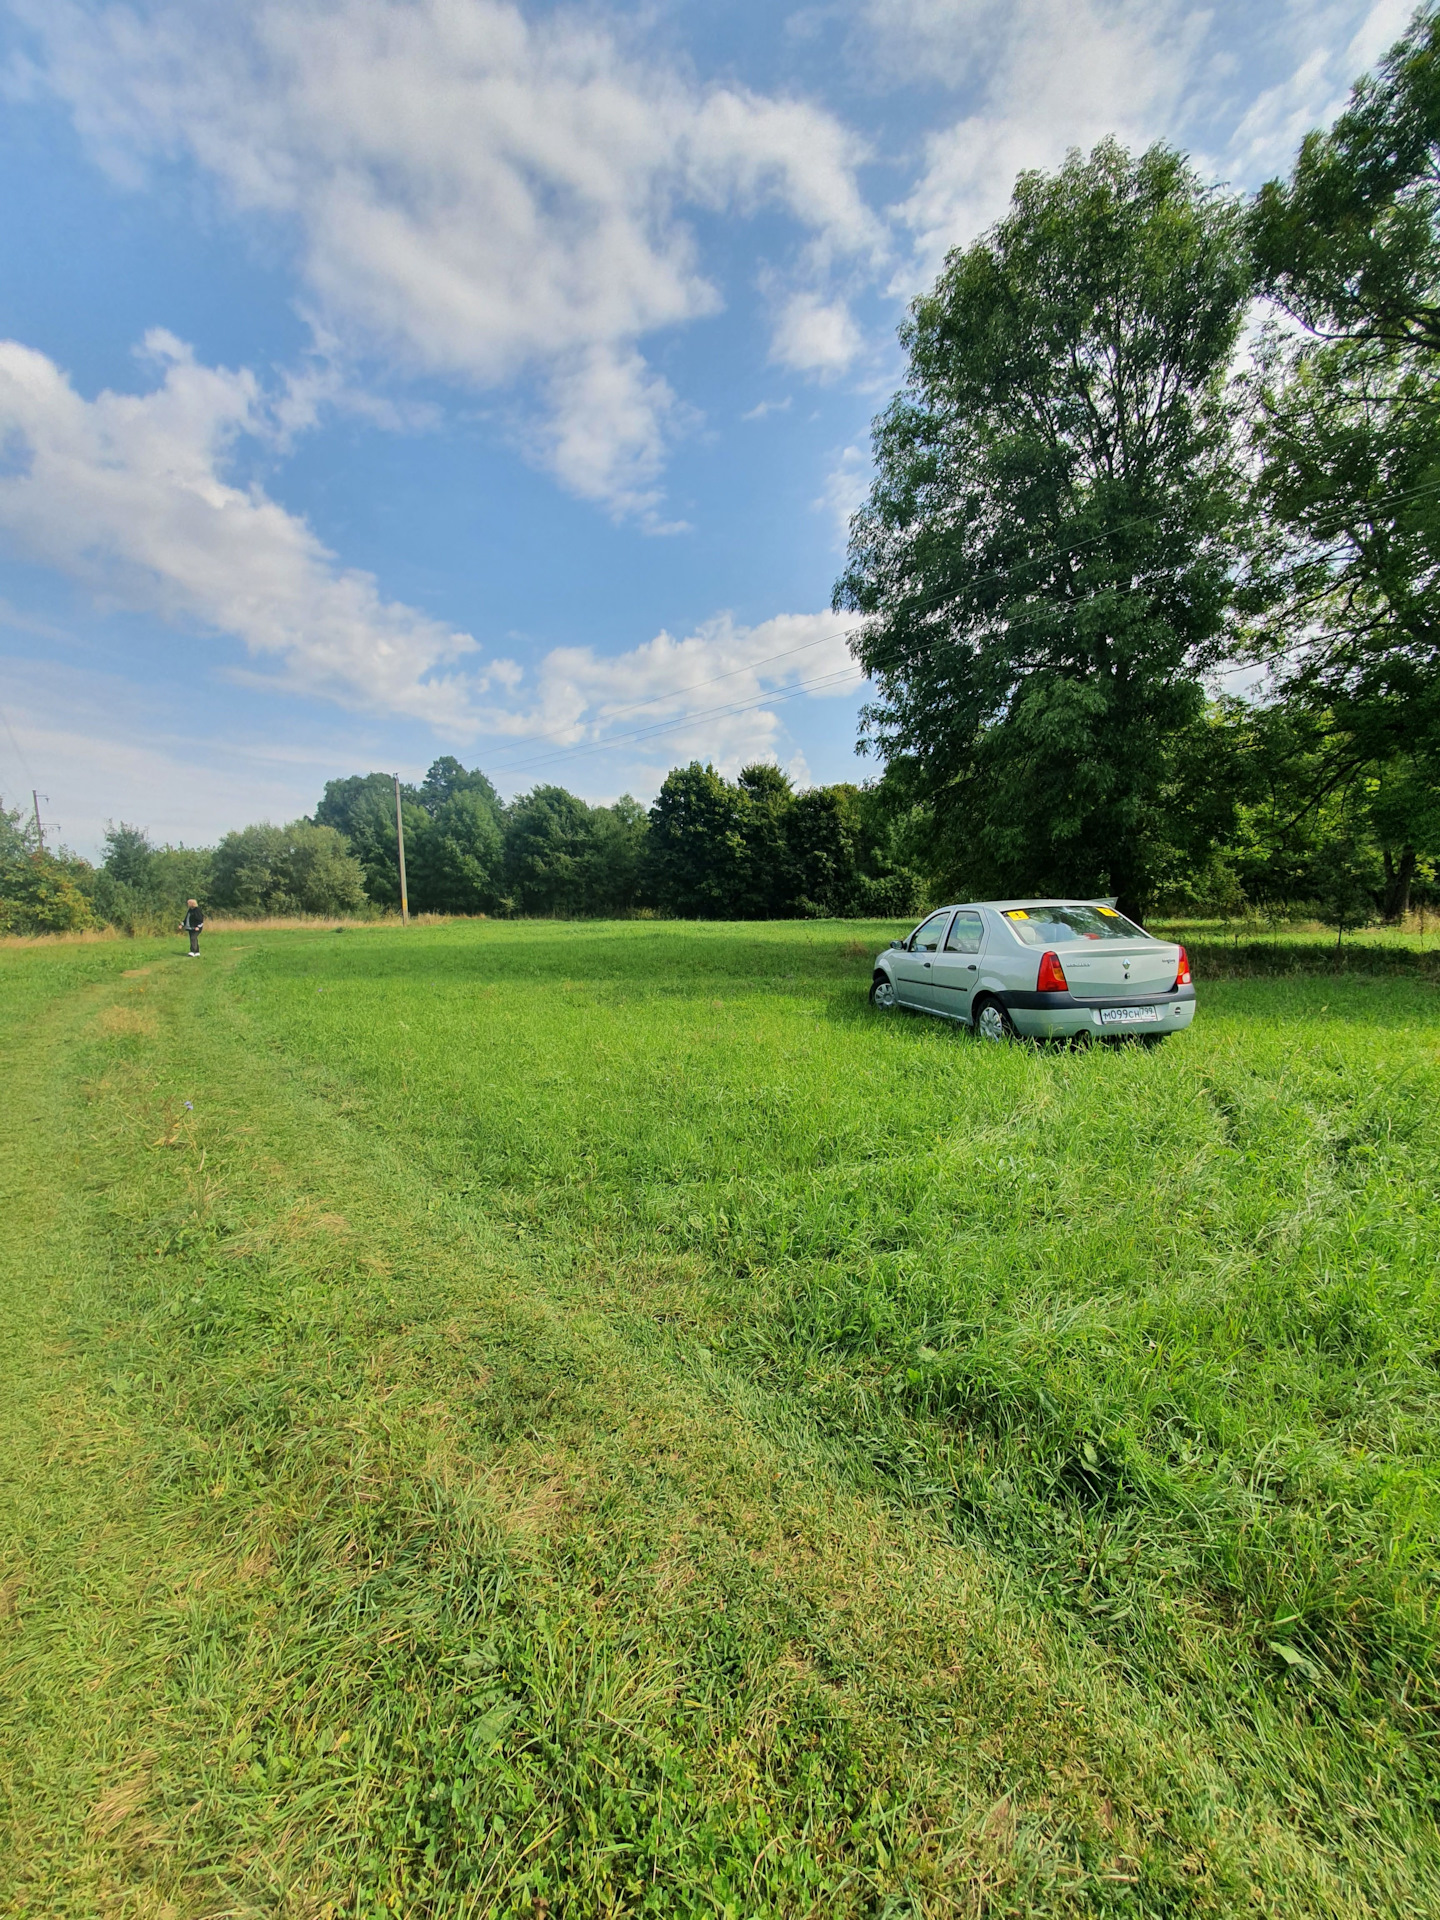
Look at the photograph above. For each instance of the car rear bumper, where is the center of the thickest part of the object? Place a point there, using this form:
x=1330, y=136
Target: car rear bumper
x=1060, y=1016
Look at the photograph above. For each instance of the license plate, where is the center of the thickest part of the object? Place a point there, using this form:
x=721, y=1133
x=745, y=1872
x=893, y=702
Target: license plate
x=1129, y=1016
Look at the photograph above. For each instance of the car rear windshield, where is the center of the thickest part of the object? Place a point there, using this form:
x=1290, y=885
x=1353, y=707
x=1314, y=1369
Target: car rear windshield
x=1053, y=926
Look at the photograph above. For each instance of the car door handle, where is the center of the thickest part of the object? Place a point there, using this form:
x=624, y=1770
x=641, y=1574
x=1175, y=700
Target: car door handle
x=927, y=963
x=971, y=967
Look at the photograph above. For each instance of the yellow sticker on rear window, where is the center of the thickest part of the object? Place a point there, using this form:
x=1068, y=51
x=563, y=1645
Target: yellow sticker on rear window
x=1016, y=913
x=1111, y=911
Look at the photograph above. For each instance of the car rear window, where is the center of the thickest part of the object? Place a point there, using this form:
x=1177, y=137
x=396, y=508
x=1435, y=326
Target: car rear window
x=1054, y=926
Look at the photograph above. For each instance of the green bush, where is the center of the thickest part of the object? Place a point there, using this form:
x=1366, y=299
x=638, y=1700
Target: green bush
x=39, y=892
x=299, y=868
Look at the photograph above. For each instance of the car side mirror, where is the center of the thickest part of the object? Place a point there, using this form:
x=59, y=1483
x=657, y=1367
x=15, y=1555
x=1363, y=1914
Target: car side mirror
x=896, y=943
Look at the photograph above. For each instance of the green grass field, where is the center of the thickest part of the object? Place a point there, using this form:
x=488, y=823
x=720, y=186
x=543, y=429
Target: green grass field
x=546, y=1420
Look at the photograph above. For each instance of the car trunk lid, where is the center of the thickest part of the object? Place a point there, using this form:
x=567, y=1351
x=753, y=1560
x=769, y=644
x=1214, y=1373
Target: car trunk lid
x=1115, y=969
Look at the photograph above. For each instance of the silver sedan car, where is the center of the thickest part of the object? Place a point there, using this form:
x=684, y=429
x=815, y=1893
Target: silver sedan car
x=1072, y=970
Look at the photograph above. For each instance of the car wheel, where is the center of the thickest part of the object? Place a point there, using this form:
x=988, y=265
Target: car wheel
x=992, y=1022
x=882, y=993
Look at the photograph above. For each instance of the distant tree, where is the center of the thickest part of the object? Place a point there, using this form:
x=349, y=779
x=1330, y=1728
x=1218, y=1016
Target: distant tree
x=769, y=884
x=565, y=857
x=823, y=829
x=128, y=855
x=447, y=778
x=1046, y=565
x=357, y=798
x=454, y=863
x=300, y=868
x=755, y=849
x=178, y=874
x=697, y=857
x=614, y=862
x=143, y=888
x=317, y=872
x=362, y=807
x=453, y=827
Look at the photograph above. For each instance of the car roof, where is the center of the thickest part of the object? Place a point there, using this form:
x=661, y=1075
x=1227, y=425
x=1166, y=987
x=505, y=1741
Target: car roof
x=1031, y=900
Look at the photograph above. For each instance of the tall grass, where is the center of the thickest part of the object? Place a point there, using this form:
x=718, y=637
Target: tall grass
x=636, y=1431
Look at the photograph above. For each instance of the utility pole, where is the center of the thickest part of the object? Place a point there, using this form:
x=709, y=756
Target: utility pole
x=400, y=843
x=39, y=830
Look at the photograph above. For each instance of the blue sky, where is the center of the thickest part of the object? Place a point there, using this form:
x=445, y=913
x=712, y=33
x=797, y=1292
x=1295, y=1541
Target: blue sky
x=382, y=379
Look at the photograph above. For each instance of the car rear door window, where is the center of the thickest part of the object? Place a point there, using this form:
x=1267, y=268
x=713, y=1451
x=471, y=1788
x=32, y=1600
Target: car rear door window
x=965, y=934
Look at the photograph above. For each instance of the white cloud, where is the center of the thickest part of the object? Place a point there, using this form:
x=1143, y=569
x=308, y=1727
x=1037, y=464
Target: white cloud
x=475, y=195
x=127, y=493
x=607, y=430
x=815, y=335
x=763, y=407
x=107, y=749
x=683, y=692
x=601, y=725
x=1051, y=75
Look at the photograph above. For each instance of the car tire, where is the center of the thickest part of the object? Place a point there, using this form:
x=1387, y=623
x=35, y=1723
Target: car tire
x=882, y=993
x=989, y=1021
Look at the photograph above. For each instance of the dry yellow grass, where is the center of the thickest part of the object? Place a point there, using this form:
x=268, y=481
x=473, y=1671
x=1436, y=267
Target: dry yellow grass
x=118, y=1022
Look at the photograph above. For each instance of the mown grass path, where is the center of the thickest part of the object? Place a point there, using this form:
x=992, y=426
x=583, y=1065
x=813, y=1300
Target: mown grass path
x=590, y=1421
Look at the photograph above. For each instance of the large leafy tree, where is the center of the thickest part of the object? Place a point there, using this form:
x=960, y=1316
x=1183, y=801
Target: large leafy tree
x=1047, y=559
x=1348, y=244
x=614, y=862
x=129, y=856
x=1347, y=428
x=447, y=778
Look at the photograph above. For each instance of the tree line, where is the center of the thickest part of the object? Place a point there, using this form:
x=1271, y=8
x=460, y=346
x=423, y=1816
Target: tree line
x=1147, y=578
x=749, y=848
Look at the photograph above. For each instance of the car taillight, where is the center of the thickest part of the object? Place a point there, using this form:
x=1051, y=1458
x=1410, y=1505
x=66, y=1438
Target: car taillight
x=1182, y=972
x=1052, y=975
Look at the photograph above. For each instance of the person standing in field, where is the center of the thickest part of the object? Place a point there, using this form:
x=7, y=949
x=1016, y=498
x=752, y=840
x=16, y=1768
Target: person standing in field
x=192, y=923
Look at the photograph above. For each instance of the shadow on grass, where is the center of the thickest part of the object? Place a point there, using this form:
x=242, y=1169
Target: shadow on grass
x=1268, y=959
